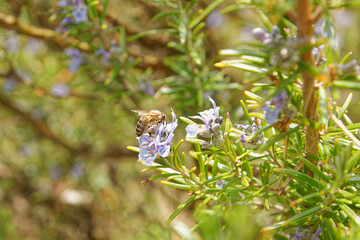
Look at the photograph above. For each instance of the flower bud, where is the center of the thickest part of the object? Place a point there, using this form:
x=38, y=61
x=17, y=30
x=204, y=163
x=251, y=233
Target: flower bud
x=259, y=33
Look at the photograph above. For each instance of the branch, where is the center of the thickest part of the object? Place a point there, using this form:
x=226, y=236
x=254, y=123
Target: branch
x=316, y=15
x=305, y=21
x=41, y=127
x=11, y=22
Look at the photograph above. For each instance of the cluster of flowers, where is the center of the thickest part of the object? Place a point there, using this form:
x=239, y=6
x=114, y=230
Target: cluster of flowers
x=274, y=107
x=283, y=52
x=211, y=129
x=351, y=68
x=76, y=57
x=79, y=14
x=306, y=234
x=158, y=143
x=248, y=130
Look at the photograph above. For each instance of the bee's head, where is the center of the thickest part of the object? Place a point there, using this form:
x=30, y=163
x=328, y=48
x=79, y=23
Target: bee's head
x=162, y=118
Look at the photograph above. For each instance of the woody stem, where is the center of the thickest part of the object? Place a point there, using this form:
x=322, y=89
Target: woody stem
x=310, y=101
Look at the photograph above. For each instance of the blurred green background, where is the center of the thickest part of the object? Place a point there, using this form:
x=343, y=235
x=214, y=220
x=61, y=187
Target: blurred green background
x=65, y=172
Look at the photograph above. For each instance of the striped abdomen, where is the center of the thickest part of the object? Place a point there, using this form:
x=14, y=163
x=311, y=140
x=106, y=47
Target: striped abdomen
x=141, y=126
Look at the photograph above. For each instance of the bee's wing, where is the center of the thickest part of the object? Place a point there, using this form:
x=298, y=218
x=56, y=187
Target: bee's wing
x=140, y=112
x=143, y=112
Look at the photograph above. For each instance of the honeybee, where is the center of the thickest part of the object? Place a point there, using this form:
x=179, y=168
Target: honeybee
x=147, y=120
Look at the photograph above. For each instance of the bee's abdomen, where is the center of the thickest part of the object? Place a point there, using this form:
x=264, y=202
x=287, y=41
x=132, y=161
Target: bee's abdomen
x=140, y=127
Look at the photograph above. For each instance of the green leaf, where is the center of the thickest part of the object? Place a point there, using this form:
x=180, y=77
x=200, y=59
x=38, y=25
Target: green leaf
x=218, y=177
x=240, y=65
x=328, y=229
x=246, y=112
x=257, y=132
x=300, y=177
x=151, y=32
x=352, y=162
x=305, y=198
x=253, y=96
x=204, y=13
x=257, y=56
x=134, y=149
x=182, y=31
x=180, y=208
x=345, y=106
x=347, y=84
x=178, y=145
x=275, y=139
x=257, y=115
x=295, y=220
x=187, y=120
x=315, y=169
x=163, y=14
x=103, y=13
x=176, y=185
x=265, y=20
x=194, y=140
x=308, y=68
x=323, y=105
x=123, y=39
x=346, y=58
x=349, y=212
x=354, y=180
x=165, y=175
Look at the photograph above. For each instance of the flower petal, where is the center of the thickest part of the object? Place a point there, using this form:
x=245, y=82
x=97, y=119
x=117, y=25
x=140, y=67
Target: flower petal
x=271, y=116
x=192, y=130
x=146, y=155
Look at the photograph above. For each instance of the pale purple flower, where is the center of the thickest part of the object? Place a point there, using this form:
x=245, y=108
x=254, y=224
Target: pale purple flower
x=55, y=172
x=211, y=127
x=220, y=184
x=33, y=45
x=319, y=29
x=283, y=52
x=63, y=26
x=12, y=43
x=317, y=233
x=214, y=19
x=305, y=234
x=60, y=90
x=146, y=87
x=260, y=34
x=76, y=59
x=318, y=54
x=27, y=150
x=274, y=107
x=24, y=76
x=247, y=131
x=80, y=13
x=9, y=85
x=77, y=170
x=63, y=3
x=315, y=52
x=105, y=55
x=157, y=144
